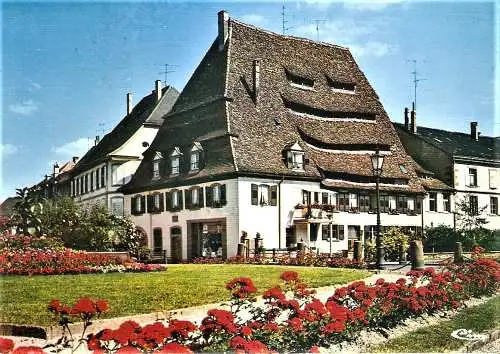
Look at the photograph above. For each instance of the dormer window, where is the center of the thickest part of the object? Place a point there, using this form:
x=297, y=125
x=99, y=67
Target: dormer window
x=341, y=86
x=295, y=157
x=156, y=165
x=299, y=81
x=196, y=151
x=175, y=159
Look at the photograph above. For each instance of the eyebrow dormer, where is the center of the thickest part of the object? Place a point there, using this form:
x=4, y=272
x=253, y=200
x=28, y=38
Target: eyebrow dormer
x=299, y=81
x=343, y=86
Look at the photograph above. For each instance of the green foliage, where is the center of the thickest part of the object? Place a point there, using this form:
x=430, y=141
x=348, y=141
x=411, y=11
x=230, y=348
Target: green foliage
x=468, y=216
x=60, y=217
x=443, y=239
x=392, y=238
x=27, y=210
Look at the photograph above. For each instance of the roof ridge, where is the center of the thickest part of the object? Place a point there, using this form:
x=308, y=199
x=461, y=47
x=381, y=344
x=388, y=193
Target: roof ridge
x=450, y=131
x=326, y=44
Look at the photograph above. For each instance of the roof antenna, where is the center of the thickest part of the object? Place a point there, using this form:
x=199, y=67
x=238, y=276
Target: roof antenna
x=415, y=81
x=166, y=72
x=101, y=128
x=317, y=28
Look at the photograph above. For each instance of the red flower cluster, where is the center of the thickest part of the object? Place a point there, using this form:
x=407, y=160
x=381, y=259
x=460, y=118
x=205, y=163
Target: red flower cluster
x=289, y=276
x=84, y=307
x=241, y=346
x=7, y=346
x=241, y=288
x=217, y=321
x=31, y=261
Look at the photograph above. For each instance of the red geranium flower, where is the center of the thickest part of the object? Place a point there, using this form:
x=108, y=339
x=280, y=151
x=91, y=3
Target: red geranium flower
x=28, y=350
x=174, y=348
x=289, y=276
x=6, y=345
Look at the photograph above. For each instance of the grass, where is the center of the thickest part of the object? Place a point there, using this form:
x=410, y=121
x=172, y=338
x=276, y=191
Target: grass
x=24, y=299
x=438, y=338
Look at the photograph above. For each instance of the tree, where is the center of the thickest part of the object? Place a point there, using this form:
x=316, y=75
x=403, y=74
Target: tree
x=27, y=211
x=61, y=216
x=469, y=215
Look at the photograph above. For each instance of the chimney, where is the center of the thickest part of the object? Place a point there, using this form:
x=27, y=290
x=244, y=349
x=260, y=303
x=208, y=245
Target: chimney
x=158, y=90
x=223, y=24
x=75, y=159
x=413, y=120
x=407, y=119
x=56, y=169
x=96, y=141
x=474, y=131
x=129, y=103
x=256, y=80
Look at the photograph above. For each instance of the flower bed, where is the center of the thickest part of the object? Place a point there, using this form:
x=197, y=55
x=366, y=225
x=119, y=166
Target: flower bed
x=300, y=259
x=26, y=255
x=292, y=319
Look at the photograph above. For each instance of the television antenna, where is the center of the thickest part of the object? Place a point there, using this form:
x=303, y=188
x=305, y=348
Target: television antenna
x=317, y=27
x=167, y=71
x=416, y=80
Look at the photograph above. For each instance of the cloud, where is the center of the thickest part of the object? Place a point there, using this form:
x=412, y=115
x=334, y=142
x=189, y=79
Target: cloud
x=375, y=49
x=254, y=19
x=348, y=33
x=320, y=4
x=24, y=108
x=372, y=5
x=8, y=149
x=74, y=148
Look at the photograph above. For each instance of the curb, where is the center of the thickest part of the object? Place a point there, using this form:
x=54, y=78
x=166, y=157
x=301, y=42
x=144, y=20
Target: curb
x=490, y=337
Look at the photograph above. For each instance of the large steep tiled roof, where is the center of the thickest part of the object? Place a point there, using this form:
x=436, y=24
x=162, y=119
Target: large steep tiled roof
x=147, y=112
x=218, y=104
x=460, y=144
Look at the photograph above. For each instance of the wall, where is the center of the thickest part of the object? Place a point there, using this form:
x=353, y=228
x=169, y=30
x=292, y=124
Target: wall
x=133, y=146
x=482, y=191
x=163, y=220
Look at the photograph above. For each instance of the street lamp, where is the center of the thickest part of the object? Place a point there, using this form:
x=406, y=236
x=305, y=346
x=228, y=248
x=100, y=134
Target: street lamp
x=377, y=162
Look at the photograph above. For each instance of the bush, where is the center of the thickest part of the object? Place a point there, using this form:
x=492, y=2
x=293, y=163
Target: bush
x=443, y=239
x=392, y=238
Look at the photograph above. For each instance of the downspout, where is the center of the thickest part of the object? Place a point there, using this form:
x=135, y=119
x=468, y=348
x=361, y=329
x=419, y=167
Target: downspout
x=279, y=212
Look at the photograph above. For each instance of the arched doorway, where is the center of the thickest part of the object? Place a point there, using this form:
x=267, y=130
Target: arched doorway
x=176, y=244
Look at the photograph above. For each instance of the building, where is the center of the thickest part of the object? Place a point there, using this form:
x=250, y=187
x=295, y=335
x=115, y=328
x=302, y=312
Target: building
x=58, y=183
x=466, y=162
x=112, y=161
x=272, y=135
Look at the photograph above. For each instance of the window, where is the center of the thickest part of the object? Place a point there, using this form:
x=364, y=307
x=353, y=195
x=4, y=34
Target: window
x=473, y=204
x=337, y=232
x=91, y=181
x=494, y=205
x=410, y=204
x=343, y=201
x=299, y=81
x=306, y=197
x=103, y=176
x=263, y=194
x=97, y=179
x=194, y=197
x=353, y=201
x=472, y=177
x=175, y=199
x=216, y=193
x=117, y=206
x=384, y=204
x=316, y=197
x=156, y=201
x=493, y=177
x=81, y=185
x=175, y=165
x=195, y=161
x=295, y=157
x=432, y=201
x=364, y=203
x=156, y=169
x=446, y=202
x=115, y=175
x=86, y=183
x=392, y=202
x=73, y=188
x=339, y=86
x=402, y=203
x=138, y=205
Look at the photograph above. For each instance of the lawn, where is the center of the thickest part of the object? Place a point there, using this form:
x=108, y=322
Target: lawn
x=24, y=299
x=438, y=339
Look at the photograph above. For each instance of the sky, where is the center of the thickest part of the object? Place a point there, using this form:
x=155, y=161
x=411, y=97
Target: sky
x=67, y=65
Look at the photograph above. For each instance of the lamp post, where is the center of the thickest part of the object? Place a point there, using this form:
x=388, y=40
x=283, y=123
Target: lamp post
x=377, y=162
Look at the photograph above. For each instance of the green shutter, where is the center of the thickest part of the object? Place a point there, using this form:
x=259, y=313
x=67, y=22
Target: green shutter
x=200, y=197
x=168, y=199
x=255, y=194
x=143, y=204
x=223, y=200
x=274, y=195
x=209, y=193
x=187, y=195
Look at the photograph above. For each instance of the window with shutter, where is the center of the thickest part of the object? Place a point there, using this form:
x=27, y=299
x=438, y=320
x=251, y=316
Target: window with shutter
x=156, y=199
x=195, y=161
x=264, y=194
x=493, y=177
x=194, y=197
x=274, y=195
x=223, y=200
x=255, y=194
x=187, y=196
x=215, y=194
x=432, y=201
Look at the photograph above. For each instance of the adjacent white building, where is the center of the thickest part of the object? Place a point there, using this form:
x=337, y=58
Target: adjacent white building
x=112, y=161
